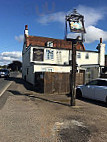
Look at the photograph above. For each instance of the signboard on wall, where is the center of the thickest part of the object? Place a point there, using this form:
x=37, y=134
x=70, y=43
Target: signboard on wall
x=38, y=54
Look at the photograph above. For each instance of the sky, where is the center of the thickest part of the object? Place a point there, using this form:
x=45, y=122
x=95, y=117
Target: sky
x=47, y=18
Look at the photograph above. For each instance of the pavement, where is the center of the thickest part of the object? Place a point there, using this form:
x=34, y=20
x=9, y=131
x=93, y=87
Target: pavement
x=5, y=83
x=28, y=116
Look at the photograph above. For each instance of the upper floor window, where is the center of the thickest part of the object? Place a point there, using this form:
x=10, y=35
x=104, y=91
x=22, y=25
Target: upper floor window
x=49, y=44
x=78, y=55
x=49, y=54
x=87, y=56
x=59, y=56
x=80, y=48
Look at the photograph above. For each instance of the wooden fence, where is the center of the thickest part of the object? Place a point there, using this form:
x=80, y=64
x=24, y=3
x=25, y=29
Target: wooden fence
x=56, y=83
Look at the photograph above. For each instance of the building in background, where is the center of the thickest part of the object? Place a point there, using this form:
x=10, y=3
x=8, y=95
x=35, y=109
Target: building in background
x=42, y=54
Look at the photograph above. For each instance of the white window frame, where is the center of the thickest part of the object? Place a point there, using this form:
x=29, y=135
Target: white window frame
x=49, y=54
x=49, y=44
x=87, y=56
x=79, y=55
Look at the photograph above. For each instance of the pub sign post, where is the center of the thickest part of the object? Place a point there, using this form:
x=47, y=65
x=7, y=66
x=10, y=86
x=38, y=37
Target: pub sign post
x=76, y=25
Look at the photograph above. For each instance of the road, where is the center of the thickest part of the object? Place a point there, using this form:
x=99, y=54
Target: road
x=27, y=116
x=5, y=82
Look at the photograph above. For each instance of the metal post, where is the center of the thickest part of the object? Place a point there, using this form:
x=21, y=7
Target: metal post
x=65, y=27
x=73, y=74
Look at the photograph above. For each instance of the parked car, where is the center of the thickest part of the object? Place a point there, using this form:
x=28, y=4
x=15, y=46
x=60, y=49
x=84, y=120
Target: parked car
x=95, y=89
x=4, y=73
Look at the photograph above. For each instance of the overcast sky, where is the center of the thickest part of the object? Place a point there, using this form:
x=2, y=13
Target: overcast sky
x=47, y=18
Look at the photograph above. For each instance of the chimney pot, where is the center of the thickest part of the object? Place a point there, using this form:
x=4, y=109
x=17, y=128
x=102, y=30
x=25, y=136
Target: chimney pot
x=100, y=40
x=26, y=27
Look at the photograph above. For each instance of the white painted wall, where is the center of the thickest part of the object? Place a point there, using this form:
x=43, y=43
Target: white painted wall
x=60, y=58
x=46, y=68
x=25, y=62
x=93, y=58
x=31, y=74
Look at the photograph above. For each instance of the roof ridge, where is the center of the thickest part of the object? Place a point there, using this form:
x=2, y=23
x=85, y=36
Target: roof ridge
x=46, y=37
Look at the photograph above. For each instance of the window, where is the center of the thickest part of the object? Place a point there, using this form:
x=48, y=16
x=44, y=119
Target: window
x=87, y=56
x=98, y=82
x=78, y=55
x=59, y=56
x=94, y=82
x=102, y=83
x=49, y=54
x=49, y=44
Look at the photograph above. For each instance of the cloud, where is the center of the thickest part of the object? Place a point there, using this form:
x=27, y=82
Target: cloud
x=19, y=38
x=55, y=17
x=91, y=15
x=8, y=57
x=94, y=33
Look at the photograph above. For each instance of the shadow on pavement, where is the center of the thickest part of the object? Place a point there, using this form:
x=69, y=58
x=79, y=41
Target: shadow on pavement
x=27, y=85
x=99, y=103
x=36, y=97
x=30, y=87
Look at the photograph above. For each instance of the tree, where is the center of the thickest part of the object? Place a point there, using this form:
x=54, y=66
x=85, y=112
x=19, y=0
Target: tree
x=15, y=66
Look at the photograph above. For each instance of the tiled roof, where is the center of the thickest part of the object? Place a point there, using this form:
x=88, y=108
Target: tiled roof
x=57, y=43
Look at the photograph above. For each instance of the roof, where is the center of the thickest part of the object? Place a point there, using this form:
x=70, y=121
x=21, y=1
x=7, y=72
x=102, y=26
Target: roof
x=101, y=79
x=57, y=43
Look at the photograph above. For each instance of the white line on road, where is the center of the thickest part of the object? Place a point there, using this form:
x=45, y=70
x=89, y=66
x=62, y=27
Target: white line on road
x=5, y=89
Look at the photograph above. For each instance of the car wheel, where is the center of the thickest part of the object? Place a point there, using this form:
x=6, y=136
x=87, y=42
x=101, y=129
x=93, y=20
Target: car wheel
x=78, y=93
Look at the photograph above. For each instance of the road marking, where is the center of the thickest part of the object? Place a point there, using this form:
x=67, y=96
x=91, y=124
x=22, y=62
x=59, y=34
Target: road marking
x=5, y=89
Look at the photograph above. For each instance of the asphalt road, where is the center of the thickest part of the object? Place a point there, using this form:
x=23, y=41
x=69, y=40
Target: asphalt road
x=28, y=116
x=5, y=82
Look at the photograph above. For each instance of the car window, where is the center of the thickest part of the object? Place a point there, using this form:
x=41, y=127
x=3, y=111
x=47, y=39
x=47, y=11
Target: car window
x=94, y=82
x=102, y=83
x=4, y=70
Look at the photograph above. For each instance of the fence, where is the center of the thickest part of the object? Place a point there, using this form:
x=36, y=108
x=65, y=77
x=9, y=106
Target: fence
x=56, y=83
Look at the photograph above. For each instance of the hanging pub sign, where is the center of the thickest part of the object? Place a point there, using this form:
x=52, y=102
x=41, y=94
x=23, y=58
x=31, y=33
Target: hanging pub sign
x=76, y=22
x=76, y=26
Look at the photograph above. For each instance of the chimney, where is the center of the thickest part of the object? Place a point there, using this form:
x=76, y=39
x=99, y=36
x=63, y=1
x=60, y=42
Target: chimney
x=101, y=47
x=26, y=30
x=26, y=35
x=26, y=27
x=100, y=40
